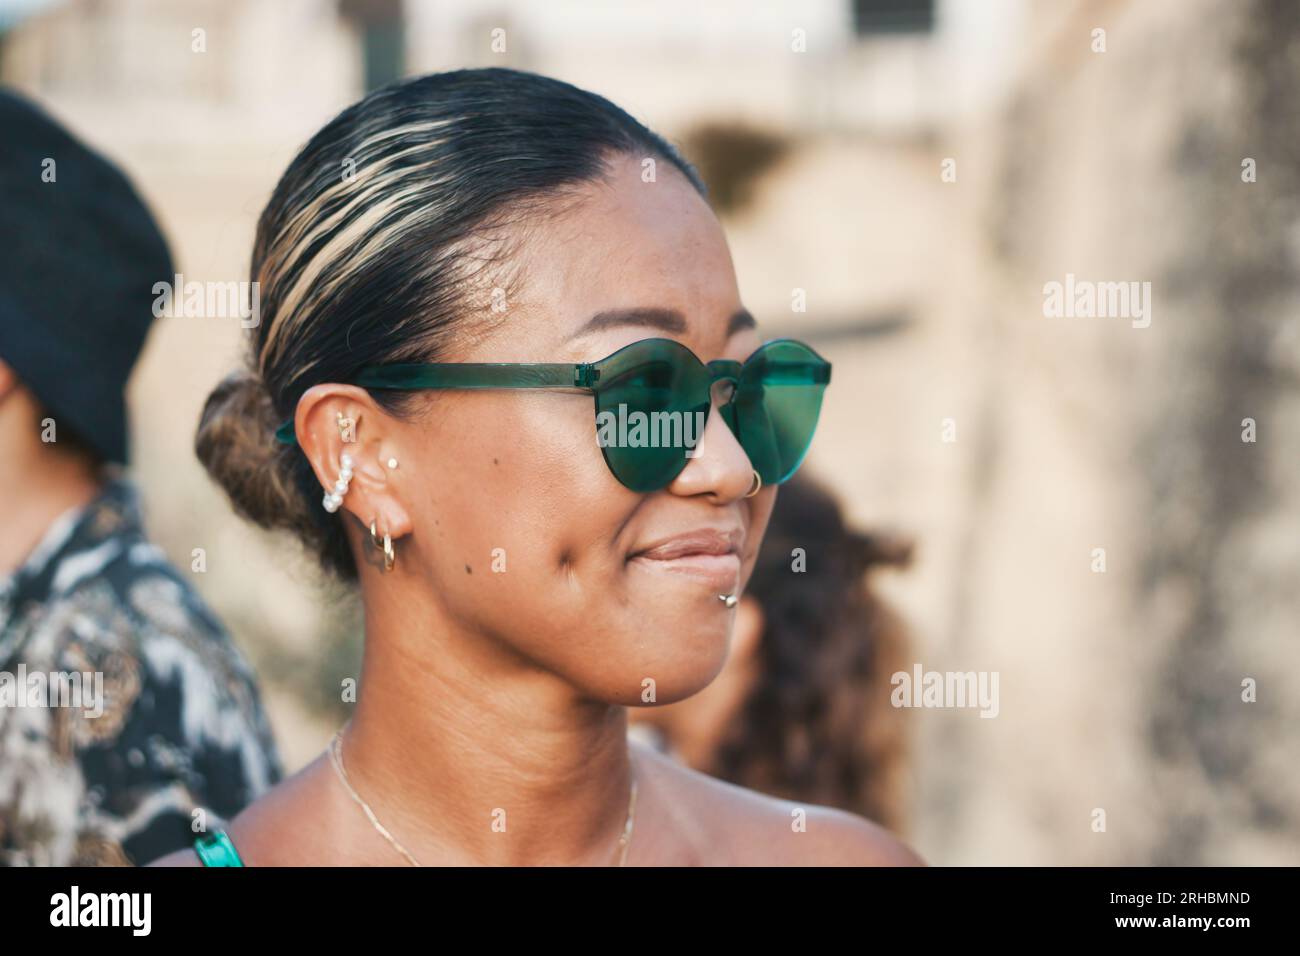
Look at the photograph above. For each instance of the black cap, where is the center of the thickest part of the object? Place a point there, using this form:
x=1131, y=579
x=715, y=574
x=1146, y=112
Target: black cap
x=82, y=254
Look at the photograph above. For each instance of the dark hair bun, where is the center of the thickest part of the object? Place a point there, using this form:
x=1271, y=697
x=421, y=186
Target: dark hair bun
x=236, y=443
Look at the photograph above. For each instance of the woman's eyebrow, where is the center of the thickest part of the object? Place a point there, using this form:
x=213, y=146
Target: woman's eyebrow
x=667, y=320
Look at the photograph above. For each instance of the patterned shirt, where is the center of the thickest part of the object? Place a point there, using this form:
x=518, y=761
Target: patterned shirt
x=168, y=720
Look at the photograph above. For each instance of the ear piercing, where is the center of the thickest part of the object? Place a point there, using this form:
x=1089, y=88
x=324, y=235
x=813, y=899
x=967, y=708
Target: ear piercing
x=333, y=499
x=390, y=556
x=347, y=427
x=728, y=599
x=348, y=433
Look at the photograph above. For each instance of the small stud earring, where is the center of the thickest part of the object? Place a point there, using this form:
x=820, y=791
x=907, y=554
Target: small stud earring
x=333, y=499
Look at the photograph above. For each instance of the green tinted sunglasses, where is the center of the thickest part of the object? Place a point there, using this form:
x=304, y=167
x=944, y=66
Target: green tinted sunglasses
x=653, y=399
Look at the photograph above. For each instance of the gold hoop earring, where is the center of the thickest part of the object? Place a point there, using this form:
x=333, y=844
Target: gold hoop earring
x=390, y=556
x=758, y=483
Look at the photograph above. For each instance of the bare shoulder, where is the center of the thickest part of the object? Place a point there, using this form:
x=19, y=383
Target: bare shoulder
x=177, y=858
x=280, y=828
x=847, y=839
x=735, y=826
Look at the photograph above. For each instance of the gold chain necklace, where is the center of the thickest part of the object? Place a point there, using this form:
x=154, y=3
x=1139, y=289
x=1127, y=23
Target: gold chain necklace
x=336, y=758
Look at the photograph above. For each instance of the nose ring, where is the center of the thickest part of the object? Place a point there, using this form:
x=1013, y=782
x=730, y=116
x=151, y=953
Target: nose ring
x=758, y=483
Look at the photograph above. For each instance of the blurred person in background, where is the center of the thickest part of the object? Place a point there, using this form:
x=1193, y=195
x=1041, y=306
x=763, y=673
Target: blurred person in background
x=168, y=720
x=521, y=583
x=801, y=709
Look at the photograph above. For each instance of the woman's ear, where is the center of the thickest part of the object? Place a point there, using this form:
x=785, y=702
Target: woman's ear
x=334, y=420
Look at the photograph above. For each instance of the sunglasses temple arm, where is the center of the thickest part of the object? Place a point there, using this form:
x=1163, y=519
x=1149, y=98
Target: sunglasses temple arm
x=472, y=375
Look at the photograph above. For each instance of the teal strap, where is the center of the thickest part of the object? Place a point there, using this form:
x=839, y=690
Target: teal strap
x=215, y=849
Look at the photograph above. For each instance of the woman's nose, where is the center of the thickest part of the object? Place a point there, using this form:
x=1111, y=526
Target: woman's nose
x=717, y=465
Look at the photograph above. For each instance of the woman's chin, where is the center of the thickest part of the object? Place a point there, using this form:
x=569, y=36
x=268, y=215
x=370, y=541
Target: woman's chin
x=674, y=659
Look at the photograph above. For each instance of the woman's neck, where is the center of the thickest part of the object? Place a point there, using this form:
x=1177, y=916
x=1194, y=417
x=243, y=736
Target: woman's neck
x=470, y=754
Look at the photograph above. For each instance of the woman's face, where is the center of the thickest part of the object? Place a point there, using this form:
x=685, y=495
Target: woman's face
x=515, y=478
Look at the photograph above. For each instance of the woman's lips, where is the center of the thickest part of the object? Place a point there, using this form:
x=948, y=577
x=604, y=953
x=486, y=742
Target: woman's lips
x=710, y=555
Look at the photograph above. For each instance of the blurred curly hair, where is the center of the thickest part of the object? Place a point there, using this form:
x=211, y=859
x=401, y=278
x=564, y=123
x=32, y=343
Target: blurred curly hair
x=817, y=725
